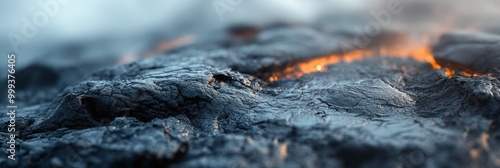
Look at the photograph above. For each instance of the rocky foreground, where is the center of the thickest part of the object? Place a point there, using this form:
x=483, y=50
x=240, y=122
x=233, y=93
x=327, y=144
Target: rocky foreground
x=204, y=105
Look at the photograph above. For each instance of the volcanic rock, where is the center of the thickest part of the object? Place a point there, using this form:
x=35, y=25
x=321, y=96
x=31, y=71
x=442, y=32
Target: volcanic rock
x=475, y=52
x=203, y=106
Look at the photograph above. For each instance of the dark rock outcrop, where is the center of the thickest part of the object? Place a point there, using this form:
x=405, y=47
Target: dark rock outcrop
x=473, y=52
x=204, y=106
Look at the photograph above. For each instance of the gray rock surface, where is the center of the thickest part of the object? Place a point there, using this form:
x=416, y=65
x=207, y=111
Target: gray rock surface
x=474, y=52
x=204, y=106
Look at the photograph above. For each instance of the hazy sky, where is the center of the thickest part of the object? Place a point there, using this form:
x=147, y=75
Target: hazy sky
x=134, y=20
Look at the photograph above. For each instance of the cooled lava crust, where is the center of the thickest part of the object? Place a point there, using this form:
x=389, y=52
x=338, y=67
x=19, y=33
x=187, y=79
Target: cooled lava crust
x=210, y=104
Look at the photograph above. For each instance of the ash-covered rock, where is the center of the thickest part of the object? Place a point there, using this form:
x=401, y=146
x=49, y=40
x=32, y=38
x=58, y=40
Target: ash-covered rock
x=202, y=106
x=474, y=52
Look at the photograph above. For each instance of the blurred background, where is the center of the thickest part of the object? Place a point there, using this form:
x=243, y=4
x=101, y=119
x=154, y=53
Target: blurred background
x=94, y=28
x=83, y=36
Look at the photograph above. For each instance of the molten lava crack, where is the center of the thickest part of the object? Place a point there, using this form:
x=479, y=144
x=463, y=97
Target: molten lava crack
x=320, y=64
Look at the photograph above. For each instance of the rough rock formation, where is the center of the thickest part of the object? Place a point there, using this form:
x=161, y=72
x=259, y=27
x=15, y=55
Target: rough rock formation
x=469, y=51
x=204, y=105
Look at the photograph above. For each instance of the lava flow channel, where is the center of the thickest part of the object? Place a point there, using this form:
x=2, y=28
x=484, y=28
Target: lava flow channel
x=421, y=54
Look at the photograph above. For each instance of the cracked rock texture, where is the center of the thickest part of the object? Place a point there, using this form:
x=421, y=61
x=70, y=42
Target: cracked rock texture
x=204, y=106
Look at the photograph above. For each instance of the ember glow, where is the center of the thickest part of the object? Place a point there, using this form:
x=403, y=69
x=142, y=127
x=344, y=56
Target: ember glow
x=320, y=64
x=160, y=48
x=422, y=54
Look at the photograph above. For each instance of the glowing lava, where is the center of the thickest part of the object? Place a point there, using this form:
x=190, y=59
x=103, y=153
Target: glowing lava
x=422, y=54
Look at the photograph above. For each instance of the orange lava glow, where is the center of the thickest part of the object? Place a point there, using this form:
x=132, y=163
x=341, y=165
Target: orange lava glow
x=172, y=44
x=418, y=53
x=422, y=54
x=160, y=48
x=469, y=74
x=449, y=72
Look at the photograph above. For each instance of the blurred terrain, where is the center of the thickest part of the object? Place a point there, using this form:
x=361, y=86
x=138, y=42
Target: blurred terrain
x=257, y=84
